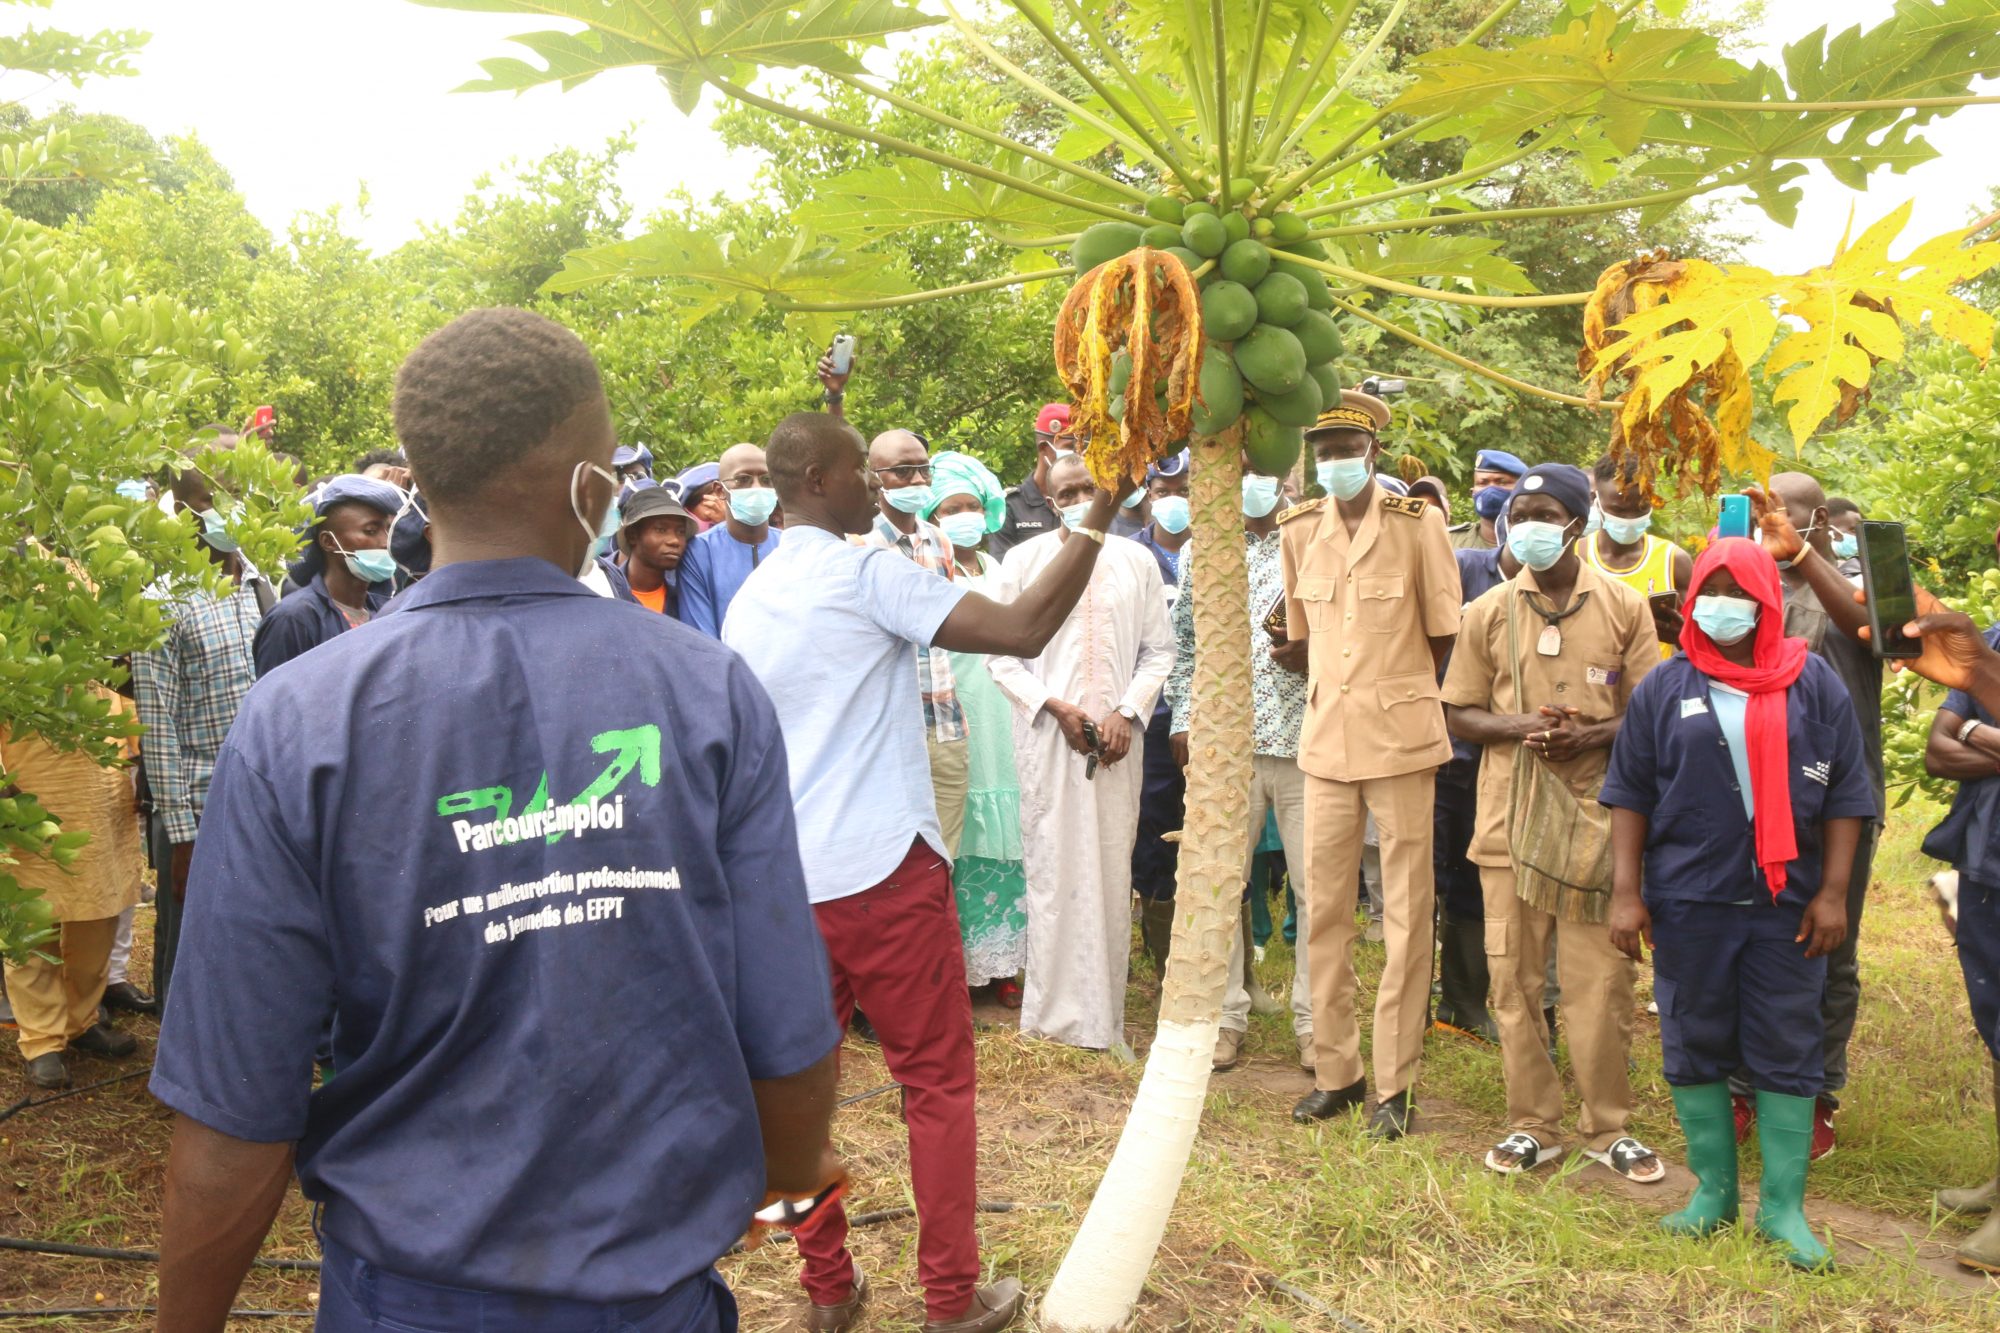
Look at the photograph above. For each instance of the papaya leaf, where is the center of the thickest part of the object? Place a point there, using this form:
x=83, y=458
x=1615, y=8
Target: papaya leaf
x=1410, y=256
x=688, y=41
x=881, y=200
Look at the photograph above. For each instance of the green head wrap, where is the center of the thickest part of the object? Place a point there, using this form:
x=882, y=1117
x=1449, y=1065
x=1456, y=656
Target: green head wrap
x=953, y=473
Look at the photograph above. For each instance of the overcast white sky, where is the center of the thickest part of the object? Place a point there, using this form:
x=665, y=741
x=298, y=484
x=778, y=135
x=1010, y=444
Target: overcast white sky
x=305, y=100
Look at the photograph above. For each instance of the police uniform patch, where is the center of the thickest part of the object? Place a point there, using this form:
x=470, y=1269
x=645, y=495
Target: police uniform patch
x=1405, y=504
x=1308, y=507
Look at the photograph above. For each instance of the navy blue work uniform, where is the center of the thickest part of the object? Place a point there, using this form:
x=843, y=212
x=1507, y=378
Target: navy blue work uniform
x=560, y=929
x=302, y=621
x=1734, y=987
x=1163, y=786
x=1969, y=838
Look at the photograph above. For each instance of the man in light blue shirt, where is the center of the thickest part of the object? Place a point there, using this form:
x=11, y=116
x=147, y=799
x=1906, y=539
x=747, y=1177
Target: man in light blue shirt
x=720, y=559
x=828, y=626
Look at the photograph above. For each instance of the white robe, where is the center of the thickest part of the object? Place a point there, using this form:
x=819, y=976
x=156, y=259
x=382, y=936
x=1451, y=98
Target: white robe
x=1077, y=834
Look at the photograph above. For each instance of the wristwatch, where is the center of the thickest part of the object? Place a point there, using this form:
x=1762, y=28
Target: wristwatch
x=1972, y=724
x=1128, y=712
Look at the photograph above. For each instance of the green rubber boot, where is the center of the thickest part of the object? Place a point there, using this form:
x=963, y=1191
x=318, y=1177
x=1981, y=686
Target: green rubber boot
x=1980, y=1199
x=1784, y=1132
x=1981, y=1249
x=1709, y=1120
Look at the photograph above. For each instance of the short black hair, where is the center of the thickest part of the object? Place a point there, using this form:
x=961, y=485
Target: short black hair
x=1613, y=469
x=1840, y=504
x=486, y=391
x=391, y=457
x=803, y=440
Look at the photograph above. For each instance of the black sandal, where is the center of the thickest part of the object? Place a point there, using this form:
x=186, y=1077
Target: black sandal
x=1526, y=1150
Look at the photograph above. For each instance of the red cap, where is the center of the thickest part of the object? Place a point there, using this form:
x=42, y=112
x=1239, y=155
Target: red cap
x=1053, y=417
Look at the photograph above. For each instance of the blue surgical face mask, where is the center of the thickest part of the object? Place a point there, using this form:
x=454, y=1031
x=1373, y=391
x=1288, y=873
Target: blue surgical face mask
x=1171, y=513
x=607, y=526
x=131, y=490
x=1260, y=495
x=1538, y=545
x=1343, y=478
x=1073, y=516
x=215, y=531
x=369, y=566
x=910, y=499
x=967, y=530
x=1627, y=531
x=754, y=505
x=1488, y=501
x=1845, y=546
x=1595, y=523
x=1725, y=619
x=1134, y=500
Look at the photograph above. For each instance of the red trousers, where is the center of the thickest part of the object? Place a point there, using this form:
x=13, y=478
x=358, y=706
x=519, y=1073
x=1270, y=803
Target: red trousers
x=895, y=952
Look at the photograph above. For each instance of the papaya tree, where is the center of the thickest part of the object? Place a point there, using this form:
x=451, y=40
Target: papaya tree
x=1253, y=148
x=99, y=383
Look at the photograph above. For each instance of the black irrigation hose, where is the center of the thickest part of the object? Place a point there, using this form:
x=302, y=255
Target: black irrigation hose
x=133, y=1256
x=1311, y=1302
x=29, y=1103
x=107, y=1311
x=864, y=1096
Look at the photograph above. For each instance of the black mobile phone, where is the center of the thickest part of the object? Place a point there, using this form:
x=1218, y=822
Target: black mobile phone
x=1892, y=597
x=1664, y=601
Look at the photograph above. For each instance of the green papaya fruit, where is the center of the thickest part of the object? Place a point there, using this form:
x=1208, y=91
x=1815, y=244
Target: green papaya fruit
x=1160, y=236
x=1318, y=334
x=1270, y=359
x=1197, y=207
x=1281, y=300
x=1103, y=242
x=1300, y=407
x=1319, y=296
x=1328, y=375
x=1246, y=262
x=1241, y=188
x=1189, y=259
x=1228, y=311
x=1262, y=229
x=1288, y=228
x=1165, y=208
x=1272, y=446
x=1310, y=249
x=1203, y=233
x=1121, y=371
x=1221, y=390
x=1237, y=226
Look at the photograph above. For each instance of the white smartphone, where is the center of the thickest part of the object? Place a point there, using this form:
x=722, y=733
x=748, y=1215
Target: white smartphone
x=843, y=353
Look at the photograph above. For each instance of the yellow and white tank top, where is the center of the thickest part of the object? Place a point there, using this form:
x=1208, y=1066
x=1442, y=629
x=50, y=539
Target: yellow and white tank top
x=1653, y=572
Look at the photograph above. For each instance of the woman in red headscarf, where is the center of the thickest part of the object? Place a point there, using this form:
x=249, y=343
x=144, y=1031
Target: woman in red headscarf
x=1737, y=790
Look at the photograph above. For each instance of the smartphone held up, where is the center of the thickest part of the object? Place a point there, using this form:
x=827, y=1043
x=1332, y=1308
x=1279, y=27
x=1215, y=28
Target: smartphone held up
x=1892, y=595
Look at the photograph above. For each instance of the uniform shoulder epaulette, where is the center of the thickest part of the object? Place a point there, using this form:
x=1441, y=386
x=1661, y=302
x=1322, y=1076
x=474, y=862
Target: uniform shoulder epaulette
x=1409, y=505
x=1310, y=506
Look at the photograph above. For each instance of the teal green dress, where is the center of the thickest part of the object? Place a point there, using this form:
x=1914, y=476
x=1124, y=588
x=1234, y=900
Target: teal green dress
x=988, y=878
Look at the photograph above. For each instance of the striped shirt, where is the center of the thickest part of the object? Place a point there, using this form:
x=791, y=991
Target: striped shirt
x=188, y=690
x=943, y=717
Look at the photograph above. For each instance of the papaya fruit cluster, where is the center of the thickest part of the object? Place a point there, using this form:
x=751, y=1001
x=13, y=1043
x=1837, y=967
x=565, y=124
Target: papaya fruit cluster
x=1272, y=347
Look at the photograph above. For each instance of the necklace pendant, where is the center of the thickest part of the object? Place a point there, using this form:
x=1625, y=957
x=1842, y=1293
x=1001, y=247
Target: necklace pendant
x=1551, y=641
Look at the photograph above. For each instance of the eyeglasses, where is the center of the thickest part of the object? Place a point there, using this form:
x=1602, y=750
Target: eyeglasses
x=909, y=474
x=747, y=481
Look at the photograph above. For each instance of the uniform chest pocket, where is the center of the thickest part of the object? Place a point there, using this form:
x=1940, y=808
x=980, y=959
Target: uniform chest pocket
x=1812, y=770
x=1379, y=599
x=1317, y=596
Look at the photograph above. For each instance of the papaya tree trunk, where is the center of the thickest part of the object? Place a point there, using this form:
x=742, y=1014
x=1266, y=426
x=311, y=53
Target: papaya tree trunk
x=1099, y=1281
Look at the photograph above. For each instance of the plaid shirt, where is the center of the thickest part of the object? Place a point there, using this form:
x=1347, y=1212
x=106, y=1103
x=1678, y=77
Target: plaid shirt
x=188, y=690
x=1278, y=695
x=928, y=547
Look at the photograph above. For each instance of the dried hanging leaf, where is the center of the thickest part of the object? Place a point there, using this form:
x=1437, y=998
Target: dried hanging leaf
x=1145, y=305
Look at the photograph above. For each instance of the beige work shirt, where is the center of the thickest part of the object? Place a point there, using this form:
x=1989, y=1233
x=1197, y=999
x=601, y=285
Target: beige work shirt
x=1368, y=605
x=86, y=797
x=1608, y=644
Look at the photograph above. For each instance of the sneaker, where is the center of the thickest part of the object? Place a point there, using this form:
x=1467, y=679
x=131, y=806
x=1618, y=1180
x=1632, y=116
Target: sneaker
x=1823, y=1136
x=1746, y=1117
x=839, y=1318
x=992, y=1309
x=1228, y=1050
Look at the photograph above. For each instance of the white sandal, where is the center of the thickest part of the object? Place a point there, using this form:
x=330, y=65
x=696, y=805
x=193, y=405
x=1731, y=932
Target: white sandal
x=1526, y=1148
x=1632, y=1160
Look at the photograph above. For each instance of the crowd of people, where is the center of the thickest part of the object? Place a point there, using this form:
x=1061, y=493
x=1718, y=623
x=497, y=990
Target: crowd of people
x=890, y=734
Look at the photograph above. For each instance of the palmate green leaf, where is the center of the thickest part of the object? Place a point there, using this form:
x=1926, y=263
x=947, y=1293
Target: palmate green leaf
x=1594, y=69
x=688, y=41
x=1160, y=32
x=703, y=276
x=71, y=57
x=881, y=200
x=1411, y=256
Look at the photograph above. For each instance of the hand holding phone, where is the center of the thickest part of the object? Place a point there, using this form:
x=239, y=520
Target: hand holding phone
x=1734, y=521
x=1892, y=596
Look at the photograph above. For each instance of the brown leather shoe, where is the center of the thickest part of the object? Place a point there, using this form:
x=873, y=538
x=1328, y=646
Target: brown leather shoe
x=839, y=1318
x=992, y=1309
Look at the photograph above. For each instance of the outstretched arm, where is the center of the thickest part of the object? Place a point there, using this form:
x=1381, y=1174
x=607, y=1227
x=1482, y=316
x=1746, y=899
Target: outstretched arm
x=1024, y=626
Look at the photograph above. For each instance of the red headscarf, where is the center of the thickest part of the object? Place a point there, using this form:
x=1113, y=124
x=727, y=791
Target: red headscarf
x=1775, y=664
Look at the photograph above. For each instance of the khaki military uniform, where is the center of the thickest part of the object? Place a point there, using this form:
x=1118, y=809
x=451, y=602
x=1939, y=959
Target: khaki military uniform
x=1607, y=644
x=1369, y=603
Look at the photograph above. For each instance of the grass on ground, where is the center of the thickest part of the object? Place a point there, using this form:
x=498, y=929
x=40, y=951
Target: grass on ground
x=1413, y=1236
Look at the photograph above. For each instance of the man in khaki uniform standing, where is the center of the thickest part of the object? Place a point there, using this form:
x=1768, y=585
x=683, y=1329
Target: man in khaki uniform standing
x=1371, y=584
x=1549, y=661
